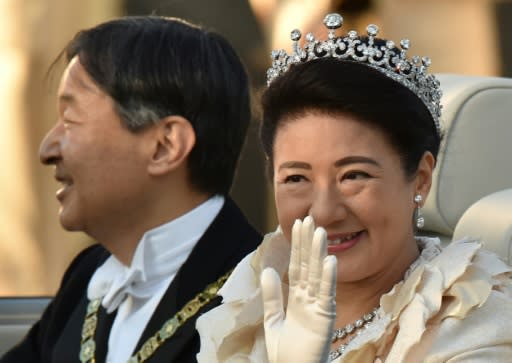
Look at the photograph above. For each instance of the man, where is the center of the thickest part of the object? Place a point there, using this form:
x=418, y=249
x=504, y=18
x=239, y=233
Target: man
x=152, y=115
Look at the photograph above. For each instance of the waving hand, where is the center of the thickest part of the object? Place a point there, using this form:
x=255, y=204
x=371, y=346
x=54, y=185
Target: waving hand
x=303, y=332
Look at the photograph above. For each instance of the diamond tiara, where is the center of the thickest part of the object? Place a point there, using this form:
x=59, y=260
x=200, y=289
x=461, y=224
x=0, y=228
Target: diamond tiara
x=388, y=59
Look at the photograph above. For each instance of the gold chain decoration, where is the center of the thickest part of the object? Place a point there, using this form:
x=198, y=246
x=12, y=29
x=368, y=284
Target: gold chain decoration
x=88, y=345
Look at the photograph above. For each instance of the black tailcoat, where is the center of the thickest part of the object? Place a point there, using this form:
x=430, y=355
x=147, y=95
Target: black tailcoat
x=56, y=337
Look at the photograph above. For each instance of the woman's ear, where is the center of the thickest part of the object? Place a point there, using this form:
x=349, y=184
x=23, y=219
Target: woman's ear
x=424, y=174
x=175, y=138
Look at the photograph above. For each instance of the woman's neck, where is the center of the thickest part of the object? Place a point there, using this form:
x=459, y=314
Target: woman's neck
x=356, y=298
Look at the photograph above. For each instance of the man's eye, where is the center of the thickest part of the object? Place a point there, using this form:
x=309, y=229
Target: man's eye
x=293, y=179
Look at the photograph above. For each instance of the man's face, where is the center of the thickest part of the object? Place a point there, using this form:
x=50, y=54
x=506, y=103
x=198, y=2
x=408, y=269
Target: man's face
x=100, y=164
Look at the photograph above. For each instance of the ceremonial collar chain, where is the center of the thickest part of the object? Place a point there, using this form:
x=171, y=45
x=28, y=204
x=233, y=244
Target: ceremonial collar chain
x=388, y=59
x=88, y=345
x=351, y=331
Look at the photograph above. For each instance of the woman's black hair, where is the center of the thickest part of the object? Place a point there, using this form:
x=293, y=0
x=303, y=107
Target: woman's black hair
x=337, y=87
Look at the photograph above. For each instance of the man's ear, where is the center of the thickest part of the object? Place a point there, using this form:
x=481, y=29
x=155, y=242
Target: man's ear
x=174, y=140
x=424, y=174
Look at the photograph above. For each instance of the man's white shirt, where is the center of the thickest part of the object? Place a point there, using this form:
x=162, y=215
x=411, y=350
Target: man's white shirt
x=135, y=291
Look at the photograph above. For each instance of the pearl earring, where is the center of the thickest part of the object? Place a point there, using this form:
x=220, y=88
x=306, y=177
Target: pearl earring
x=418, y=216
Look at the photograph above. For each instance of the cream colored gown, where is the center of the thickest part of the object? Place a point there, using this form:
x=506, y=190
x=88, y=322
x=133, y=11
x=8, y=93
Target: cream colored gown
x=454, y=305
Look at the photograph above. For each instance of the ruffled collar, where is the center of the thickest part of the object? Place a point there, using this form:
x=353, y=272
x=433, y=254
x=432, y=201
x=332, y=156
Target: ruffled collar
x=461, y=271
x=441, y=283
x=158, y=256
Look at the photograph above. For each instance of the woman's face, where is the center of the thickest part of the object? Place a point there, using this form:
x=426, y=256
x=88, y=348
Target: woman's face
x=347, y=176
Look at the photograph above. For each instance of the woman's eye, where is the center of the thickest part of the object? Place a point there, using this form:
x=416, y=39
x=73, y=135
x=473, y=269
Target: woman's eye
x=293, y=178
x=355, y=175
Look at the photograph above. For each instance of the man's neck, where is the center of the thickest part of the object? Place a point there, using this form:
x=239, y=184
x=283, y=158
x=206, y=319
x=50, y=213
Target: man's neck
x=123, y=238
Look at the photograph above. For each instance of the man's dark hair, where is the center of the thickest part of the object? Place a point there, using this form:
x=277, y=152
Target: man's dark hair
x=154, y=67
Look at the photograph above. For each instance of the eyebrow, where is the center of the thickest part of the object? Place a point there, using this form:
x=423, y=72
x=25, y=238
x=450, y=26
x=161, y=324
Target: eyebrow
x=294, y=165
x=66, y=97
x=356, y=160
x=338, y=163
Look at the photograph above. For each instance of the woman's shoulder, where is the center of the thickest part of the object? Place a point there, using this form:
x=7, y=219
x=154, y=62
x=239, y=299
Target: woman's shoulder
x=452, y=280
x=476, y=327
x=482, y=294
x=458, y=266
x=485, y=288
x=451, y=293
x=479, y=272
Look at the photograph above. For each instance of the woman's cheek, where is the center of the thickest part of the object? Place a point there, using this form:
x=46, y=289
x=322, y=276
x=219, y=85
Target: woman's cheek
x=289, y=210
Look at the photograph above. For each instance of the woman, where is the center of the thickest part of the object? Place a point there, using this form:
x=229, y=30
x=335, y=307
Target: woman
x=351, y=130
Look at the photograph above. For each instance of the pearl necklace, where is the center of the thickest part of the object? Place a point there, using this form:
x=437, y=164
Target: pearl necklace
x=350, y=330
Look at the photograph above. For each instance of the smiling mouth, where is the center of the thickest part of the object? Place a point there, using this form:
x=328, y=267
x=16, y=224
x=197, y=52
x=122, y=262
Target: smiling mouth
x=349, y=237
x=66, y=184
x=63, y=179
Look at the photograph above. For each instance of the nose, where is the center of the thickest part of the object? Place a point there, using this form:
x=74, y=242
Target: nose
x=49, y=150
x=327, y=207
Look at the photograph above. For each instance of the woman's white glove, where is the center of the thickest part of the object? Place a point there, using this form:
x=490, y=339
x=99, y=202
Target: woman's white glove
x=302, y=333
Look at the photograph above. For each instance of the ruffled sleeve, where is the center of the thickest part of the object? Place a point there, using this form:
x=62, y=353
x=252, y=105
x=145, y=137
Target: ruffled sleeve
x=233, y=331
x=444, y=290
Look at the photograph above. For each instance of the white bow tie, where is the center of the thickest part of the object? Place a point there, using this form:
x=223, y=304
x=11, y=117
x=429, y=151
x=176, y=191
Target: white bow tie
x=156, y=260
x=113, y=281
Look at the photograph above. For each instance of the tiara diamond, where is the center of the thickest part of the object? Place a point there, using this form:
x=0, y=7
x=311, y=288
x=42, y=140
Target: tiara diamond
x=333, y=21
x=388, y=59
x=372, y=30
x=295, y=34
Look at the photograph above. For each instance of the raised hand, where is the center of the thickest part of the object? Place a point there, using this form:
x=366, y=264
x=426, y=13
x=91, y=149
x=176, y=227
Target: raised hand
x=303, y=332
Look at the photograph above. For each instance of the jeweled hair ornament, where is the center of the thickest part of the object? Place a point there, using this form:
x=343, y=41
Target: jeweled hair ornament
x=388, y=59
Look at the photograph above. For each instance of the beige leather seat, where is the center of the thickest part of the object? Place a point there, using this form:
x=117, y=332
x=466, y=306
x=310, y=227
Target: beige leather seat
x=471, y=193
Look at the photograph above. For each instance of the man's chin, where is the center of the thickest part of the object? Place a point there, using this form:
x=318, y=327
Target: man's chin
x=68, y=223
